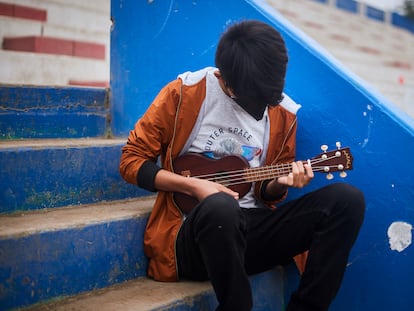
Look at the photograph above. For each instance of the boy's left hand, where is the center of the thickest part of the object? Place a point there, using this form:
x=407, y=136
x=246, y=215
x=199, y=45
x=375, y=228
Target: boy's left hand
x=301, y=175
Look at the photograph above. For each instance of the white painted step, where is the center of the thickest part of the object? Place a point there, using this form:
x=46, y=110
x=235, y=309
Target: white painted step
x=91, y=15
x=77, y=20
x=46, y=69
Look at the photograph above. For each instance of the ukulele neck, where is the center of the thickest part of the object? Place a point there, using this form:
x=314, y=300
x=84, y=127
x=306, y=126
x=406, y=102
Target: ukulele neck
x=267, y=172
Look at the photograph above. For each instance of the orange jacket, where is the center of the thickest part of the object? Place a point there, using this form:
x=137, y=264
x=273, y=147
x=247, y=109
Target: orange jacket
x=163, y=131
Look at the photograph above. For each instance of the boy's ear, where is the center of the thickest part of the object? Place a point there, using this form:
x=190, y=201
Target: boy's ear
x=217, y=73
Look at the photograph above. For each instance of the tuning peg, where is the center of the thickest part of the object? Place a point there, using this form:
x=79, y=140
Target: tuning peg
x=343, y=174
x=329, y=176
x=338, y=144
x=324, y=148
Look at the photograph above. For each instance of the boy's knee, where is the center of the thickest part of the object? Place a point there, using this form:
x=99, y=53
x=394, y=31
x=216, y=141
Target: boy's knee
x=352, y=199
x=221, y=207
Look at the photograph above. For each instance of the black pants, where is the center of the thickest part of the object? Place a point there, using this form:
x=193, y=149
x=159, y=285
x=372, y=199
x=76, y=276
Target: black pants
x=224, y=243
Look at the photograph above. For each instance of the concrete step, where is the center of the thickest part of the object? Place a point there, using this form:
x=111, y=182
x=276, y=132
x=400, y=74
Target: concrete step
x=380, y=54
x=52, y=253
x=143, y=294
x=139, y=294
x=39, y=174
x=44, y=69
x=10, y=27
x=92, y=15
x=84, y=22
x=26, y=68
x=52, y=112
x=90, y=257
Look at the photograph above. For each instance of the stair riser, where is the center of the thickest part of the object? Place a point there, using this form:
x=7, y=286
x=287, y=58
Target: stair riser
x=52, y=264
x=46, y=178
x=51, y=125
x=17, y=68
x=50, y=112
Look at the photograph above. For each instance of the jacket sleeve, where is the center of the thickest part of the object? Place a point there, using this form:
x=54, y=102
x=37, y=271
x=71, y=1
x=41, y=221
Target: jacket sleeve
x=149, y=138
x=283, y=151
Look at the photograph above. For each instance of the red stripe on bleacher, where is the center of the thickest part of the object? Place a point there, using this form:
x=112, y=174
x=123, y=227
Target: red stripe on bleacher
x=87, y=49
x=49, y=45
x=21, y=11
x=6, y=9
x=89, y=83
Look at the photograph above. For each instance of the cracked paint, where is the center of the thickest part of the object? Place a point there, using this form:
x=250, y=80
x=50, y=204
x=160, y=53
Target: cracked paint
x=399, y=235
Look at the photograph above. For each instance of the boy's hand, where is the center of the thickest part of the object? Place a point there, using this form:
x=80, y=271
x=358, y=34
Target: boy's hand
x=301, y=175
x=202, y=188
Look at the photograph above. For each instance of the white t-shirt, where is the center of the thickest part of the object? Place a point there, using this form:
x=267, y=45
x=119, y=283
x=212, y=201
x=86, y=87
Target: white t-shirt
x=224, y=128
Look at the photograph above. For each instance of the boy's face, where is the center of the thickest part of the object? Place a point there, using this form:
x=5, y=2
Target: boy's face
x=255, y=109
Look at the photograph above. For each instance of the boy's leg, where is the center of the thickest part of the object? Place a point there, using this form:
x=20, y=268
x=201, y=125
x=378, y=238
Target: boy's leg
x=211, y=245
x=326, y=222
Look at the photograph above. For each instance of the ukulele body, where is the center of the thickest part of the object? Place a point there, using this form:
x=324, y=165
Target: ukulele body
x=199, y=166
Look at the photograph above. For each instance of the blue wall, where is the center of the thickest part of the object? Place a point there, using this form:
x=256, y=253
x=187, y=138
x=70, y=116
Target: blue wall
x=153, y=41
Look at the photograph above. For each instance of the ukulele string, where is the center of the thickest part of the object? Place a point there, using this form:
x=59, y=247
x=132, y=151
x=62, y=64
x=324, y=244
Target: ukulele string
x=284, y=169
x=242, y=179
x=251, y=174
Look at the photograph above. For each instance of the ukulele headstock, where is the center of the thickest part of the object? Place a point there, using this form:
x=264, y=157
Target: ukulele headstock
x=339, y=160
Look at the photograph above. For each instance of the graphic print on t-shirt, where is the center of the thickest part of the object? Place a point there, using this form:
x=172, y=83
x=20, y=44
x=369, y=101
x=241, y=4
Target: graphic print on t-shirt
x=230, y=141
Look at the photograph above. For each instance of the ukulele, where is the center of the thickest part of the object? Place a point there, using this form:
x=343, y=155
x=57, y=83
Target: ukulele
x=234, y=172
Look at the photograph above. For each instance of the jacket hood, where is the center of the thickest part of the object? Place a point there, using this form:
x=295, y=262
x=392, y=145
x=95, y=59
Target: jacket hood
x=193, y=77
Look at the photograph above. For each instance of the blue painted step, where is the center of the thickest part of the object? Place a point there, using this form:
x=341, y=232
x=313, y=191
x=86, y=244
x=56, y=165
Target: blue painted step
x=47, y=255
x=38, y=174
x=61, y=252
x=52, y=112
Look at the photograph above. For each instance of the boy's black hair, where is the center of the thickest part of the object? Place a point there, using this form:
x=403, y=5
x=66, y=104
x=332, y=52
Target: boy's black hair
x=252, y=59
